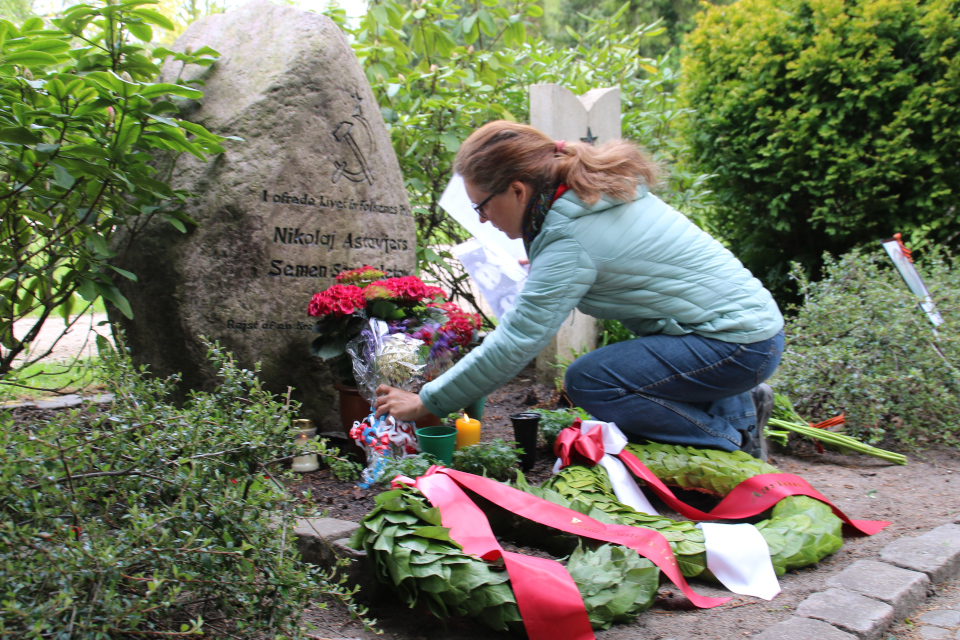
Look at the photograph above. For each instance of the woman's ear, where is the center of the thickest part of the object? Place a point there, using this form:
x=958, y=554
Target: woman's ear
x=520, y=191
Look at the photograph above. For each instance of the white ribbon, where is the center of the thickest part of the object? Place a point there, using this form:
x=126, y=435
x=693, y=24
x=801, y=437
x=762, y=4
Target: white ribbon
x=736, y=553
x=740, y=559
x=623, y=483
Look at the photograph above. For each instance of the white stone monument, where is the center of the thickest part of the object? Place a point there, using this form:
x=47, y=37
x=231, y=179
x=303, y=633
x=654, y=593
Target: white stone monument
x=594, y=118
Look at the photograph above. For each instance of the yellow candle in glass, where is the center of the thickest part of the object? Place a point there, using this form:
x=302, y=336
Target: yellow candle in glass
x=468, y=431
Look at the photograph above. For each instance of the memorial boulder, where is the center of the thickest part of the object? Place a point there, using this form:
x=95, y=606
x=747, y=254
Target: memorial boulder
x=313, y=188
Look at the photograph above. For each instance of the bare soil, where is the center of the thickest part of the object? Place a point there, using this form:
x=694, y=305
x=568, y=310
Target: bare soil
x=914, y=498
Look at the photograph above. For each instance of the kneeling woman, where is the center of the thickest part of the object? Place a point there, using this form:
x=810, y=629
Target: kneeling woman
x=599, y=241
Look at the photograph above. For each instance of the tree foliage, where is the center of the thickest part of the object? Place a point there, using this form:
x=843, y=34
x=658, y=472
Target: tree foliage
x=442, y=68
x=16, y=10
x=82, y=119
x=565, y=20
x=829, y=123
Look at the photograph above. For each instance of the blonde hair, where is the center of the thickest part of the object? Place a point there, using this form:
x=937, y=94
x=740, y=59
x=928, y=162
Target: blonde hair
x=500, y=152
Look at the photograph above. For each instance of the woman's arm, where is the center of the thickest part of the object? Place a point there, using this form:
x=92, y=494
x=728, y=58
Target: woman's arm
x=561, y=274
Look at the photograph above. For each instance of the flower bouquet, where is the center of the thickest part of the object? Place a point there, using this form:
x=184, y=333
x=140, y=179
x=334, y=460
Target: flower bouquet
x=397, y=331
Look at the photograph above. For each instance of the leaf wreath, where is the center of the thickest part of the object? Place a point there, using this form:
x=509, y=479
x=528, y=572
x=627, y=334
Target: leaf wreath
x=414, y=553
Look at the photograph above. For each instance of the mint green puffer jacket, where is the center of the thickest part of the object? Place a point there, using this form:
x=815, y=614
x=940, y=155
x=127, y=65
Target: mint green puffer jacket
x=642, y=263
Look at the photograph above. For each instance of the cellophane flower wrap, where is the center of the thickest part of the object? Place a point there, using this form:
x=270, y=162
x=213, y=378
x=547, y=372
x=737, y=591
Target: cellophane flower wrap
x=396, y=332
x=396, y=359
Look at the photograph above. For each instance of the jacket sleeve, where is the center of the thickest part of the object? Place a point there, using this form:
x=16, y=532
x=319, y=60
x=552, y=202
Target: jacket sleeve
x=560, y=275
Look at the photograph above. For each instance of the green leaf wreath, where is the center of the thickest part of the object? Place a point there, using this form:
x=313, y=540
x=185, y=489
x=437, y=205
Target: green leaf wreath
x=414, y=553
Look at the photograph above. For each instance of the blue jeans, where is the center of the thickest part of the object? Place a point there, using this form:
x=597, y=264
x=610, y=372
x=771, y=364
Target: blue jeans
x=685, y=390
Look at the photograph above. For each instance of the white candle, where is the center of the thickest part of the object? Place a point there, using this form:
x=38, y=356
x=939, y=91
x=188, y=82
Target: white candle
x=305, y=432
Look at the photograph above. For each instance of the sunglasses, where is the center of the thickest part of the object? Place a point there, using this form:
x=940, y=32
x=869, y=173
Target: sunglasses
x=479, y=207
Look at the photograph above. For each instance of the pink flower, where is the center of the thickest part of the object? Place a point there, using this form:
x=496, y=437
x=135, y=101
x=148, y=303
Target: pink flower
x=461, y=324
x=407, y=288
x=462, y=328
x=339, y=300
x=436, y=292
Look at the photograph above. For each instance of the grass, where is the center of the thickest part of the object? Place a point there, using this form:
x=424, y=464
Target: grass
x=98, y=306
x=50, y=379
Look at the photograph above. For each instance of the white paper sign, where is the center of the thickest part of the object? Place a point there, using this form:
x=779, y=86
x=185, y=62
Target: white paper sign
x=499, y=278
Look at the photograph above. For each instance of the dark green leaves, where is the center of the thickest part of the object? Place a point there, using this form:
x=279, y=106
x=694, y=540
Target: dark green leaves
x=616, y=583
x=818, y=146
x=81, y=129
x=18, y=135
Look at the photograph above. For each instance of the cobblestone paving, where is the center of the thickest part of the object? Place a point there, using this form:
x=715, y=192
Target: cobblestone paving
x=936, y=619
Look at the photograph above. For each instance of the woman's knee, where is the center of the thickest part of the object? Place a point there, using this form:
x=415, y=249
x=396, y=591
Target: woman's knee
x=577, y=376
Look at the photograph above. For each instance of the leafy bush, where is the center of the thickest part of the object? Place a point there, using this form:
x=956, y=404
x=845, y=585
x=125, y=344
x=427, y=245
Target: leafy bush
x=553, y=422
x=828, y=124
x=442, y=68
x=412, y=467
x=860, y=346
x=497, y=459
x=613, y=331
x=81, y=122
x=152, y=519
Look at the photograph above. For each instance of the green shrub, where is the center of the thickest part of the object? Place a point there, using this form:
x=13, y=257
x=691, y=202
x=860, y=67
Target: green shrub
x=613, y=331
x=412, y=467
x=496, y=459
x=553, y=422
x=82, y=123
x=828, y=123
x=151, y=520
x=860, y=346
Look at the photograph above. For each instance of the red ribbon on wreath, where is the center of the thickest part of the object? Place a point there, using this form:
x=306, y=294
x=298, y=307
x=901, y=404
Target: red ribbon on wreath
x=548, y=599
x=750, y=497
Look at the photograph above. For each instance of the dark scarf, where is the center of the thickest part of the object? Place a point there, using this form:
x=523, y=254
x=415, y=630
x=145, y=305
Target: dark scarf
x=537, y=210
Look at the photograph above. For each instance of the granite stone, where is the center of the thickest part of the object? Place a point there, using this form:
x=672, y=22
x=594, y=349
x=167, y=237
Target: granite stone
x=936, y=553
x=312, y=189
x=902, y=589
x=803, y=629
x=941, y=618
x=862, y=616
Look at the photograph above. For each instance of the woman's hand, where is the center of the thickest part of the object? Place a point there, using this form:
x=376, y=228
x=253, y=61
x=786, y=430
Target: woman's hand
x=402, y=405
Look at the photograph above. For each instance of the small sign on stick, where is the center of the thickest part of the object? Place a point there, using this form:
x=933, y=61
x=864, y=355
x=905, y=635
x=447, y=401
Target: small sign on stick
x=900, y=255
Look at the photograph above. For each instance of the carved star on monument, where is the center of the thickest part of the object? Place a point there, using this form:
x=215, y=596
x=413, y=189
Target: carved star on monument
x=590, y=138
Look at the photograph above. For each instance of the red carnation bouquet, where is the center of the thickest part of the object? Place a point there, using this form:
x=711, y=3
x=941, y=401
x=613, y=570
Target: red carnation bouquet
x=406, y=305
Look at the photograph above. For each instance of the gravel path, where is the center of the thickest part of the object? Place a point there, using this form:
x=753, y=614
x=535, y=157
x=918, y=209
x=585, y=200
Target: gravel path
x=67, y=343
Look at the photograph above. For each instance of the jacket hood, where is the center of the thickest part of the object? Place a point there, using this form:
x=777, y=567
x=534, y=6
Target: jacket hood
x=573, y=207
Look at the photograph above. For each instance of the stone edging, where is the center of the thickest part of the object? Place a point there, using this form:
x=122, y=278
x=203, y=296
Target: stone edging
x=866, y=598
x=63, y=402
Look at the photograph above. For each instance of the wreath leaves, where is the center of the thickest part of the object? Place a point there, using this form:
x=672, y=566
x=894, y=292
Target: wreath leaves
x=413, y=552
